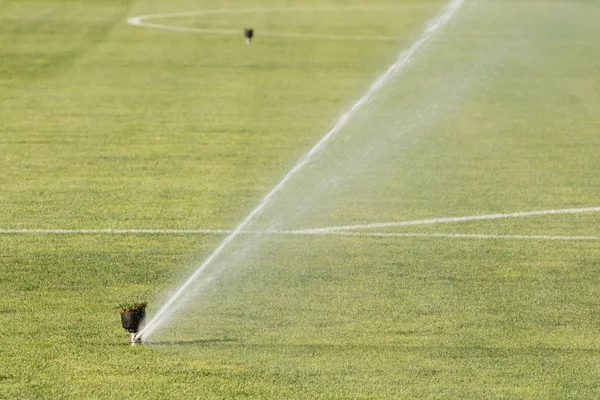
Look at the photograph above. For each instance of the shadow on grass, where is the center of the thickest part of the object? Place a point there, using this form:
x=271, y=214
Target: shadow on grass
x=191, y=342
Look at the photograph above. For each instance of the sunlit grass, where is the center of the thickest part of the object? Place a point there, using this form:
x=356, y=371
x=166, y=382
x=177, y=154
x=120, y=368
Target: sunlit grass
x=103, y=125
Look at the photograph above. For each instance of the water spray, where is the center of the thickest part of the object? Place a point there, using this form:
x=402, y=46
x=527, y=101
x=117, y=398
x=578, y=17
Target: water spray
x=404, y=59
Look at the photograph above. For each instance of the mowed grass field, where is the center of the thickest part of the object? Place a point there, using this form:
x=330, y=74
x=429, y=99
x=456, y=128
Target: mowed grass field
x=109, y=126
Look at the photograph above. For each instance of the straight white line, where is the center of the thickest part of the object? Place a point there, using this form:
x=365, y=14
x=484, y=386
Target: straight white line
x=53, y=18
x=292, y=233
x=465, y=236
x=403, y=60
x=112, y=231
x=432, y=221
x=344, y=230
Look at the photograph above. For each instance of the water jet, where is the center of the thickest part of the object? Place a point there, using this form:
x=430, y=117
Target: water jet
x=190, y=287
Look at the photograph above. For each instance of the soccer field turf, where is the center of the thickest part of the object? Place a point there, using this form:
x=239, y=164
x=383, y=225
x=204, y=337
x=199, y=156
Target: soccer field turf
x=469, y=186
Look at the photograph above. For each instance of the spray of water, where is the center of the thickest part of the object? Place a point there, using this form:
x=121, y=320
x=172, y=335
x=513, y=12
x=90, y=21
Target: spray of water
x=404, y=59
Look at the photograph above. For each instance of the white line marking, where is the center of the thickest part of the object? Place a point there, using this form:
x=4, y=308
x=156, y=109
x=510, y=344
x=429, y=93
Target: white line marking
x=403, y=60
x=292, y=233
x=463, y=236
x=432, y=221
x=141, y=21
x=346, y=230
x=113, y=231
x=62, y=18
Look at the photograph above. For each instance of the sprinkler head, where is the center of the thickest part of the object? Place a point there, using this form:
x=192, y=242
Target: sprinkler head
x=133, y=340
x=132, y=317
x=131, y=321
x=248, y=34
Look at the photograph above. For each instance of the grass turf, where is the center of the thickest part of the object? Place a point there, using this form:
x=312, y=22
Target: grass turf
x=108, y=126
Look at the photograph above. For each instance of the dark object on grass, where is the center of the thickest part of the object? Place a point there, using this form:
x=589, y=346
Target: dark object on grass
x=132, y=316
x=248, y=34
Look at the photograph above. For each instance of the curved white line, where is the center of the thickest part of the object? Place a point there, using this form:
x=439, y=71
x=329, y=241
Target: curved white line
x=141, y=21
x=432, y=221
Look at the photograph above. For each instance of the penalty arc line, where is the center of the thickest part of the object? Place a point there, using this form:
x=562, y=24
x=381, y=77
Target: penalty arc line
x=142, y=21
x=403, y=60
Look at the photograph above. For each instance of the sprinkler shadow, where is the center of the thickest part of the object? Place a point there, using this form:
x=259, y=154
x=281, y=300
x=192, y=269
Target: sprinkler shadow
x=191, y=342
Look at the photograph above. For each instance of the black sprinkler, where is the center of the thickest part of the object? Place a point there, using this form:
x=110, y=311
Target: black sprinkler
x=248, y=34
x=132, y=317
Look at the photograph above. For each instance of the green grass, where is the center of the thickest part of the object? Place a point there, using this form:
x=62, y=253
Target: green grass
x=103, y=125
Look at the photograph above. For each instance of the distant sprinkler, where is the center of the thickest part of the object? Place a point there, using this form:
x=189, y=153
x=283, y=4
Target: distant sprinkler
x=248, y=34
x=132, y=316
